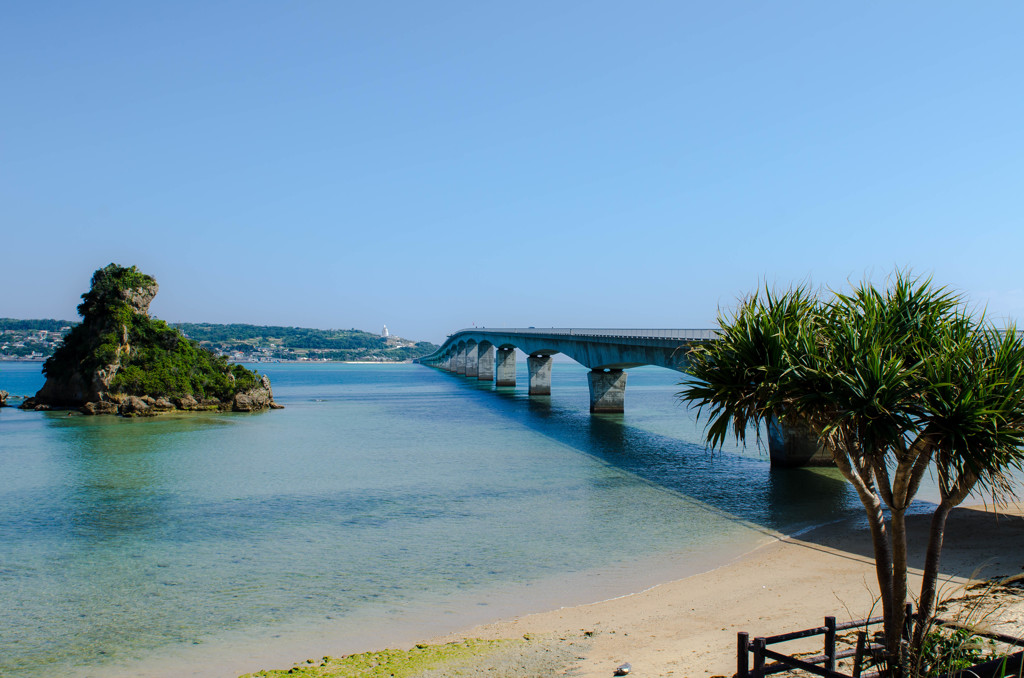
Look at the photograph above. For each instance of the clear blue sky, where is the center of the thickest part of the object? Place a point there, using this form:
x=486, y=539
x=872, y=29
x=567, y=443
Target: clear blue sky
x=431, y=165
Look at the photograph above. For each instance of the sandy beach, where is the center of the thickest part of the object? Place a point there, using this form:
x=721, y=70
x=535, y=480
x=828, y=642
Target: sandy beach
x=688, y=627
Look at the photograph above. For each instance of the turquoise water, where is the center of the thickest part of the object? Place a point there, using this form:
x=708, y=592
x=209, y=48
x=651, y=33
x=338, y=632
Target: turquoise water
x=384, y=500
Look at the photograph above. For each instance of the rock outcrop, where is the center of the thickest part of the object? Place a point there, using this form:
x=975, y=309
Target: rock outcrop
x=258, y=398
x=3, y=398
x=119, y=360
x=99, y=407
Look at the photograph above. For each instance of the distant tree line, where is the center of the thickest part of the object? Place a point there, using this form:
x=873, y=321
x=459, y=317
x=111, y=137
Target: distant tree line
x=49, y=325
x=396, y=354
x=291, y=337
x=323, y=340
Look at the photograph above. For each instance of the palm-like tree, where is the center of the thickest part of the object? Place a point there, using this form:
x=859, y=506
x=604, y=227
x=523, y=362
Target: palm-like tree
x=973, y=412
x=894, y=382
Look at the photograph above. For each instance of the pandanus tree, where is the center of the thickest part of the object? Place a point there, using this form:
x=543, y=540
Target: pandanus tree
x=895, y=382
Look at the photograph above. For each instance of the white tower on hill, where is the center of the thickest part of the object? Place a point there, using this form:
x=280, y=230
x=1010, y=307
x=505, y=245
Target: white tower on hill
x=384, y=333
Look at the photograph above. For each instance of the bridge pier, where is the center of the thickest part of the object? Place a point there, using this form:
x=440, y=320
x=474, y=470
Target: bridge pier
x=460, y=361
x=791, y=446
x=506, y=368
x=540, y=374
x=485, y=359
x=607, y=390
x=472, y=361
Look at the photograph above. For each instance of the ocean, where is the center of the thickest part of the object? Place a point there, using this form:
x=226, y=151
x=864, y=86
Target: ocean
x=386, y=504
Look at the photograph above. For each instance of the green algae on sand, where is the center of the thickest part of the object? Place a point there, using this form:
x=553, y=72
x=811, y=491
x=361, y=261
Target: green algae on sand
x=387, y=663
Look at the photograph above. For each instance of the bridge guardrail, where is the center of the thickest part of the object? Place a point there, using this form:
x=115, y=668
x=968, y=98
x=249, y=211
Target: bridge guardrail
x=685, y=334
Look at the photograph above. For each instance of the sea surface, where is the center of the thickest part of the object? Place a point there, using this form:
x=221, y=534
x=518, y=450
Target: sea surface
x=385, y=504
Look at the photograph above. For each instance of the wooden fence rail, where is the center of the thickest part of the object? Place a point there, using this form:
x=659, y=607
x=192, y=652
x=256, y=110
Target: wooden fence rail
x=827, y=660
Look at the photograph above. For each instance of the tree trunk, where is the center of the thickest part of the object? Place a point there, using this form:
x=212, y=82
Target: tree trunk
x=884, y=572
x=926, y=603
x=880, y=541
x=898, y=523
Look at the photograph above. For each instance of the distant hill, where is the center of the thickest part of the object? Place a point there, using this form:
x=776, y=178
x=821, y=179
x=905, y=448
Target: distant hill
x=242, y=342
x=297, y=343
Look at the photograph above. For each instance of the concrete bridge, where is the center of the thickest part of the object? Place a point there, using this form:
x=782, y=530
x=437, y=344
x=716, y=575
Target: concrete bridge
x=489, y=355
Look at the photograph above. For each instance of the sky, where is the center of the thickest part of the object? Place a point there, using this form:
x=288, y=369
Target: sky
x=435, y=165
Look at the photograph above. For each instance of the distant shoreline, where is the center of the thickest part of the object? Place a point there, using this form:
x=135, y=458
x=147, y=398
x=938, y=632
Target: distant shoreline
x=371, y=362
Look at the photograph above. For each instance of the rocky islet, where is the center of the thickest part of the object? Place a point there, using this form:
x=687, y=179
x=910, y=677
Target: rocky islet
x=121, y=361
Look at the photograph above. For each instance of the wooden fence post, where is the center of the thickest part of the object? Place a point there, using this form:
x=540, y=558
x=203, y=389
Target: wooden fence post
x=858, y=657
x=759, y=644
x=742, y=655
x=830, y=643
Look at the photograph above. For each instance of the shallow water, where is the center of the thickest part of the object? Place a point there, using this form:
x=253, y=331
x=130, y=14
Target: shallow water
x=385, y=499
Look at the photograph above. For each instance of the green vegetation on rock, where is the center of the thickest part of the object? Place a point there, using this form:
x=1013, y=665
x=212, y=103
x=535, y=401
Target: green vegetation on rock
x=165, y=364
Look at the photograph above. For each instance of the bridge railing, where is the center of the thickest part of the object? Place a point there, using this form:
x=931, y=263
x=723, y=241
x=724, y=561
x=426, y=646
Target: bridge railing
x=611, y=332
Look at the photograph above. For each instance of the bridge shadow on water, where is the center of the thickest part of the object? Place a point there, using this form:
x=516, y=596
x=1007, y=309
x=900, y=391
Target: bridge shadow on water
x=737, y=486
x=748, y=489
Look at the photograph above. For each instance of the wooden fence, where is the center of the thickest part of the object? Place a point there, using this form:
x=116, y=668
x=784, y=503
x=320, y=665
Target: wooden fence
x=825, y=664
x=821, y=665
